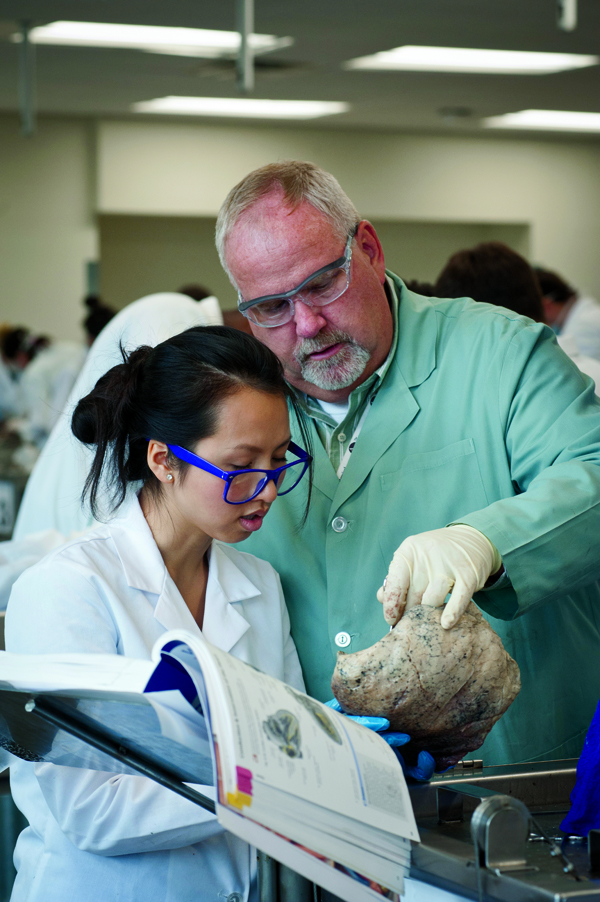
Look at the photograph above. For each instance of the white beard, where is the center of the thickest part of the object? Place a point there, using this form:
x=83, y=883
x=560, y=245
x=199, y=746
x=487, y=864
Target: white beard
x=332, y=373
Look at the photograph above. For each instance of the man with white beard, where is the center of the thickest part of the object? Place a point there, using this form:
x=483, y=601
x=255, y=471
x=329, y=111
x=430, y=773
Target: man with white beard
x=456, y=452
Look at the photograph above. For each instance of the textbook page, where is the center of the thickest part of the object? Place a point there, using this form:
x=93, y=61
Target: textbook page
x=102, y=693
x=272, y=735
x=88, y=675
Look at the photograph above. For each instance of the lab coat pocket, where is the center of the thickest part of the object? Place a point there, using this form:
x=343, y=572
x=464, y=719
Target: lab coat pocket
x=428, y=491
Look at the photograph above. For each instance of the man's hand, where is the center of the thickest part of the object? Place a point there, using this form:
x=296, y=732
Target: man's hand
x=426, y=567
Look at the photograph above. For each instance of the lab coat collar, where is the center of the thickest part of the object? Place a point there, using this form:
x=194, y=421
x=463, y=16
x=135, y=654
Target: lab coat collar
x=140, y=558
x=145, y=570
x=224, y=621
x=324, y=476
x=417, y=334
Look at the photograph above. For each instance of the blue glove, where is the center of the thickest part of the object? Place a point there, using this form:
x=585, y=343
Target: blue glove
x=377, y=724
x=585, y=798
x=422, y=771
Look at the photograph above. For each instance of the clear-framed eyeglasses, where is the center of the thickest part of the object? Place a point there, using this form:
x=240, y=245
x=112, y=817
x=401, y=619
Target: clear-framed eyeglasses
x=244, y=485
x=321, y=288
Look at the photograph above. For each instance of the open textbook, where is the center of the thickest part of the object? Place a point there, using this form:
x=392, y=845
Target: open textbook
x=297, y=780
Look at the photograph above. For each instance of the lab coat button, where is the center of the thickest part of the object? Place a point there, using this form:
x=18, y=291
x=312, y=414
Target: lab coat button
x=342, y=640
x=235, y=897
x=339, y=524
x=342, y=437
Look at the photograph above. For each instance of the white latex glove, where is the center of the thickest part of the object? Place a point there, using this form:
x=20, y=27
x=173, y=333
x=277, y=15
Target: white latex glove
x=426, y=567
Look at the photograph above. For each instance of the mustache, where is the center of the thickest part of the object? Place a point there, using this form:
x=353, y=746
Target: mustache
x=308, y=346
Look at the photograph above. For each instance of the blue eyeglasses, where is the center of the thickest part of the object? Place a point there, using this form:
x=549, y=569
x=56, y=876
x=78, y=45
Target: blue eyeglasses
x=244, y=485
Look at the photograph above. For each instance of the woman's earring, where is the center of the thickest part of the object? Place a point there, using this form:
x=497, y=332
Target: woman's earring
x=170, y=476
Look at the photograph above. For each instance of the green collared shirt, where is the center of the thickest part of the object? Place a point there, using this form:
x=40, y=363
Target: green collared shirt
x=336, y=438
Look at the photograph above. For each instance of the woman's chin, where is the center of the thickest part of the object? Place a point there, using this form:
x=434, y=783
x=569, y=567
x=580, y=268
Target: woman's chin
x=232, y=535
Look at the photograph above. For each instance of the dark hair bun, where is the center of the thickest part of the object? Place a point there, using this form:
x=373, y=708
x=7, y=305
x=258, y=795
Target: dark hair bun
x=87, y=416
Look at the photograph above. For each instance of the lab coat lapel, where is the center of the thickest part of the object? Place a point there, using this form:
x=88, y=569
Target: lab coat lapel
x=171, y=611
x=324, y=476
x=380, y=429
x=140, y=558
x=227, y=589
x=145, y=569
x=395, y=406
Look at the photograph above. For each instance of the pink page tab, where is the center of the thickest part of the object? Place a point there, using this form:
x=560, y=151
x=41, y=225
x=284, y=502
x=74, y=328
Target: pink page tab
x=244, y=780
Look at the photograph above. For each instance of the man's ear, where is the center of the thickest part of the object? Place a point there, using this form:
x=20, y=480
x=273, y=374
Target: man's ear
x=369, y=243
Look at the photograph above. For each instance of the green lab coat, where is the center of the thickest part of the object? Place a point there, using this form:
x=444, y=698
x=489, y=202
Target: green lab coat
x=481, y=419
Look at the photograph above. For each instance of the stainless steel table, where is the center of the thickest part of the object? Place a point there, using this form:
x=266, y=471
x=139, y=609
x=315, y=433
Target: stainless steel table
x=446, y=856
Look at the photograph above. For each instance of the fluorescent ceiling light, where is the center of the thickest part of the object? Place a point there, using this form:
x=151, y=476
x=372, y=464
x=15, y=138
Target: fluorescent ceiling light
x=457, y=59
x=553, y=120
x=201, y=42
x=245, y=107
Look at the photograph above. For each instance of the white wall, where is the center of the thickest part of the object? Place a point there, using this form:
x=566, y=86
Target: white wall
x=144, y=254
x=47, y=227
x=48, y=187
x=187, y=169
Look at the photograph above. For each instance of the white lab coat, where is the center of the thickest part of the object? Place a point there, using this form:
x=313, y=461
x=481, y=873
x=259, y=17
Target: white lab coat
x=9, y=400
x=97, y=836
x=583, y=324
x=45, y=386
x=586, y=364
x=52, y=499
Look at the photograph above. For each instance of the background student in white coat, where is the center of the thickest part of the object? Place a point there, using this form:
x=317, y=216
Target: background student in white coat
x=209, y=401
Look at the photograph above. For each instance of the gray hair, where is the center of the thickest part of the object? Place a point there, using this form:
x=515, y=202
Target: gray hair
x=299, y=181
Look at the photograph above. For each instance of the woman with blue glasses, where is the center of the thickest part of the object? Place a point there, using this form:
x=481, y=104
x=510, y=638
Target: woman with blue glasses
x=194, y=436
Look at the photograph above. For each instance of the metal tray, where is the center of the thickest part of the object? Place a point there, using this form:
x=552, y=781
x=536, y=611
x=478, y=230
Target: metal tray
x=446, y=856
